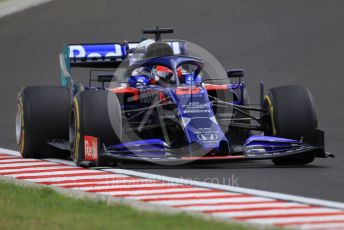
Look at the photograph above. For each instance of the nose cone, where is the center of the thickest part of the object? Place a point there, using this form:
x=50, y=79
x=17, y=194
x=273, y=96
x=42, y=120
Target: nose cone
x=222, y=148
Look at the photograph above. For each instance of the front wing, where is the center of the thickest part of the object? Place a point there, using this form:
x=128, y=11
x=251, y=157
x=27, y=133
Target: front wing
x=212, y=158
x=163, y=155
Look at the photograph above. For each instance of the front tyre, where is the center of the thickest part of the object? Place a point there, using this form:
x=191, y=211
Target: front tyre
x=291, y=114
x=95, y=113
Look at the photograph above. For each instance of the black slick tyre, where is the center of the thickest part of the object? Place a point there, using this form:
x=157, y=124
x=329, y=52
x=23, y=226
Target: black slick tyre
x=291, y=114
x=95, y=113
x=42, y=115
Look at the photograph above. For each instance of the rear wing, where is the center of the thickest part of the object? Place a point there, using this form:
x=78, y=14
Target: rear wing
x=100, y=55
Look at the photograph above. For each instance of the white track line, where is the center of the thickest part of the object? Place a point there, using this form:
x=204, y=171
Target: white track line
x=241, y=206
x=211, y=201
x=321, y=226
x=14, y=6
x=186, y=195
x=27, y=164
x=61, y=161
x=278, y=196
x=56, y=173
x=153, y=191
x=285, y=220
x=56, y=179
x=106, y=183
x=18, y=160
x=2, y=171
x=114, y=187
x=239, y=214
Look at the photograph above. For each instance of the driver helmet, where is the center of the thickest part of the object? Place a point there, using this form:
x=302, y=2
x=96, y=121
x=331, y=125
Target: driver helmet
x=180, y=74
x=140, y=50
x=161, y=72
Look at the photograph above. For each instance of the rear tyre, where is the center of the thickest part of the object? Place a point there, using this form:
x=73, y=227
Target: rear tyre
x=98, y=114
x=42, y=115
x=292, y=114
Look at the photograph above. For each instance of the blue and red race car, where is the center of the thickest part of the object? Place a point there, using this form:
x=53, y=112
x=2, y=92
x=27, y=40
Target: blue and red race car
x=155, y=102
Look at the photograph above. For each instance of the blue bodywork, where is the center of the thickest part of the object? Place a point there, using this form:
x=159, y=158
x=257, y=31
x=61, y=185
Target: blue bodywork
x=203, y=134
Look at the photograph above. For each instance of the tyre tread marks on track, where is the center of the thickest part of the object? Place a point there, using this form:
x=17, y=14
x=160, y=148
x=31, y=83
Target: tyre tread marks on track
x=238, y=206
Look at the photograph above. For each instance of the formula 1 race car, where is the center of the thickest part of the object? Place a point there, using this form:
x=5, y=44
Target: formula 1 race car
x=154, y=102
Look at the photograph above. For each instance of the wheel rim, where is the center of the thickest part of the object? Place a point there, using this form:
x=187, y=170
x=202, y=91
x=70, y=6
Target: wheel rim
x=19, y=124
x=269, y=106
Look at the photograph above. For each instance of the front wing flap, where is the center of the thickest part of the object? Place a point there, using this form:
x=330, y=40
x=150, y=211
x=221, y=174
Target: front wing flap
x=166, y=155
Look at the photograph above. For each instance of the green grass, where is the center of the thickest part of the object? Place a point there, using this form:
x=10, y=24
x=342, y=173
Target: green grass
x=32, y=208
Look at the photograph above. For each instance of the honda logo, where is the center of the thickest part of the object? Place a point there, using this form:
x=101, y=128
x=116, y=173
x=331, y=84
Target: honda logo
x=208, y=137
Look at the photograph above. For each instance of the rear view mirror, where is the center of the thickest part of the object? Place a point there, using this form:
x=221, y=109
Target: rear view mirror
x=233, y=73
x=104, y=77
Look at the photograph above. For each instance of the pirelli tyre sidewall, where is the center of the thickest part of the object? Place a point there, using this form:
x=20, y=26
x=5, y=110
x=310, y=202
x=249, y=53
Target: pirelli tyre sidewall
x=91, y=115
x=292, y=114
x=42, y=115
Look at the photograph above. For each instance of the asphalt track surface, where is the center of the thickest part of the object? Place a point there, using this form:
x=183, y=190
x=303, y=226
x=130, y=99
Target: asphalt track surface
x=278, y=42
